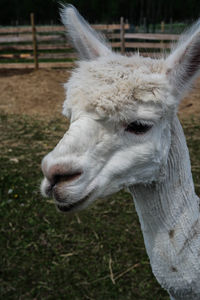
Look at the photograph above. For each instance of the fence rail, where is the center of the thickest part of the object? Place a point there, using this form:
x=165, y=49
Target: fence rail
x=46, y=46
x=55, y=28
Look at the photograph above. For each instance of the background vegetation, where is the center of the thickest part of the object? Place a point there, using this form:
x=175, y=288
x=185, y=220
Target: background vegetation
x=18, y=11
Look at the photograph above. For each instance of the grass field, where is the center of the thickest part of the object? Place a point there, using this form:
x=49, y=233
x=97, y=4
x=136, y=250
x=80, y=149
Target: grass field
x=97, y=254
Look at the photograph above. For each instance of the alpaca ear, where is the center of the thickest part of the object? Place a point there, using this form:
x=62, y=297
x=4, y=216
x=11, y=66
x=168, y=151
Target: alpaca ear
x=87, y=42
x=183, y=64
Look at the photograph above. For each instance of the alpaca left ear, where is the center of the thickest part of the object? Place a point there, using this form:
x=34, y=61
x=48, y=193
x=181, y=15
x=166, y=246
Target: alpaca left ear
x=183, y=64
x=87, y=42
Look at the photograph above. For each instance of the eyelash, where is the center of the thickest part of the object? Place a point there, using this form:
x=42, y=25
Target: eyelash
x=138, y=127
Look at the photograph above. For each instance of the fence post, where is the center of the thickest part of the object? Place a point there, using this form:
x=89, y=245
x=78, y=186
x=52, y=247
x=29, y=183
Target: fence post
x=122, y=32
x=162, y=30
x=35, y=55
x=162, y=26
x=171, y=25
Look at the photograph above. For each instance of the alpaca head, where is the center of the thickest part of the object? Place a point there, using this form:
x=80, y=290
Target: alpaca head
x=120, y=110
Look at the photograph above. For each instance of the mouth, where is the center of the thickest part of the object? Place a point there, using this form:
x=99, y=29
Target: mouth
x=72, y=206
x=61, y=200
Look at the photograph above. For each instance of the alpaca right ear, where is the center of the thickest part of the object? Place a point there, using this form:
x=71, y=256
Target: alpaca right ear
x=183, y=64
x=87, y=42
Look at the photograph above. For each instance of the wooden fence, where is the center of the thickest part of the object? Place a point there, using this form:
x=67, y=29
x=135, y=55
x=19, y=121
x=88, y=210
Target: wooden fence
x=47, y=47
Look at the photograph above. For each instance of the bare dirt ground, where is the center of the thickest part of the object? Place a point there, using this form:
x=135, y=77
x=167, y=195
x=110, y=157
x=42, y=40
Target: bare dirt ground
x=41, y=93
x=38, y=93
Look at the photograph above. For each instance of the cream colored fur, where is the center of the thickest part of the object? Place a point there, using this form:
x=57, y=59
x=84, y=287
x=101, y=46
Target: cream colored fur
x=99, y=154
x=113, y=86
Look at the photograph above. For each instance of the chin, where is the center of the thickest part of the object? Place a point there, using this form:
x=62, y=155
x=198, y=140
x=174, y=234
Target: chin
x=67, y=207
x=65, y=202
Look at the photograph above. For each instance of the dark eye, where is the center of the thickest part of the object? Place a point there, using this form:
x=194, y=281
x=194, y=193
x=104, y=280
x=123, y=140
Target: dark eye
x=138, y=127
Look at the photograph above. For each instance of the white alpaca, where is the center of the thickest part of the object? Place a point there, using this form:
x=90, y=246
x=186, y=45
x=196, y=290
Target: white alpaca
x=124, y=132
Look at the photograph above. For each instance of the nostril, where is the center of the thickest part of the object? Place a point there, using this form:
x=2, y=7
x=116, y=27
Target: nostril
x=58, y=178
x=60, y=172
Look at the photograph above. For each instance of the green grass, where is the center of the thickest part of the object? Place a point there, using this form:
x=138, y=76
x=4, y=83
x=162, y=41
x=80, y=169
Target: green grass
x=49, y=255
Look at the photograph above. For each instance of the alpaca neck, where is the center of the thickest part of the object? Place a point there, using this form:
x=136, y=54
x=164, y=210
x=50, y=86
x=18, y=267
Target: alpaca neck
x=169, y=217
